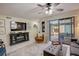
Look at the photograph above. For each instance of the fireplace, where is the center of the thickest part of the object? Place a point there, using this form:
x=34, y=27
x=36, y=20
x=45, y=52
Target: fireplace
x=16, y=38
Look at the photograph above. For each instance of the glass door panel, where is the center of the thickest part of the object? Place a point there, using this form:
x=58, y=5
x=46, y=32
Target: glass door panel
x=65, y=30
x=54, y=32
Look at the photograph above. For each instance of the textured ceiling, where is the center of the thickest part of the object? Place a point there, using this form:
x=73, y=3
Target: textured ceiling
x=31, y=10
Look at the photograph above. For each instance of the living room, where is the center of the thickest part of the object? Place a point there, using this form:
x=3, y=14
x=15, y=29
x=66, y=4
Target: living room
x=26, y=28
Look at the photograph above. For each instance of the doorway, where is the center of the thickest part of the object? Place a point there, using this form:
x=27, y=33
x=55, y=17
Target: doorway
x=61, y=30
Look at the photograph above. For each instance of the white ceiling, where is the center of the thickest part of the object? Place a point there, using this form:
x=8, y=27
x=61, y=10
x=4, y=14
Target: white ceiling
x=31, y=10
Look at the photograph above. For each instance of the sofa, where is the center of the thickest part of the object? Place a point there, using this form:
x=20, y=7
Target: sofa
x=74, y=49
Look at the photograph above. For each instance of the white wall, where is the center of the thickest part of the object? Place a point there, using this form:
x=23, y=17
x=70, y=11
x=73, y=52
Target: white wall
x=5, y=37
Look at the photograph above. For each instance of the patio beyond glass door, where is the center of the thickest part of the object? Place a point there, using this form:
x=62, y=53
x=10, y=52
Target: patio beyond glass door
x=63, y=28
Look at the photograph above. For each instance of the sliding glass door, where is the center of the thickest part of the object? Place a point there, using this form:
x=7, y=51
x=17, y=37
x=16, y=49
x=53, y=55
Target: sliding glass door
x=54, y=30
x=62, y=28
x=65, y=30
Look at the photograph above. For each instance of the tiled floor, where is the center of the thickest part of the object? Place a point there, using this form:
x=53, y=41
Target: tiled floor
x=36, y=49
x=31, y=50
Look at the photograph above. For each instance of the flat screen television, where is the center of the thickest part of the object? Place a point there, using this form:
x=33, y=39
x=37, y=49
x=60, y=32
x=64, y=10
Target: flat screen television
x=16, y=26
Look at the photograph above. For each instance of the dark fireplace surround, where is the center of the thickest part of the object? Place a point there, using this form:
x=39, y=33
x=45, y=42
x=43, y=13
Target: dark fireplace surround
x=19, y=37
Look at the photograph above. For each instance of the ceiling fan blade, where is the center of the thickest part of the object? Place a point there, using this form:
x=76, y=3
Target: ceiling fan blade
x=56, y=4
x=40, y=5
x=60, y=10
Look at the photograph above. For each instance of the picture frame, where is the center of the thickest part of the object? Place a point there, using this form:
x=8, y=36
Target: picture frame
x=2, y=31
x=2, y=22
x=2, y=26
x=43, y=26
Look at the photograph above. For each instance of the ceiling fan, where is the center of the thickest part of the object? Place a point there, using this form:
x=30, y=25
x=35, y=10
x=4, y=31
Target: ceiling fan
x=50, y=7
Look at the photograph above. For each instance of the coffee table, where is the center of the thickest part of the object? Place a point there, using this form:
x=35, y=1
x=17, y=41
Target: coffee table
x=52, y=50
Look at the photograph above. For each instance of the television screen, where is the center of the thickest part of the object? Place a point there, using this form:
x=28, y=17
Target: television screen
x=18, y=26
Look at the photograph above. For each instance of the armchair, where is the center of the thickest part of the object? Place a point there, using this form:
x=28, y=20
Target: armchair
x=39, y=39
x=2, y=48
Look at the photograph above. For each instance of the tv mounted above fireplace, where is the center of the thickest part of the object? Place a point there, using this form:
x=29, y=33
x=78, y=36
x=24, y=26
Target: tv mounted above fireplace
x=16, y=26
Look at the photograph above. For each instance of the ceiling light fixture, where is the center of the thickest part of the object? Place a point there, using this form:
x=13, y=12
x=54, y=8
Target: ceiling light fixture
x=49, y=8
x=49, y=11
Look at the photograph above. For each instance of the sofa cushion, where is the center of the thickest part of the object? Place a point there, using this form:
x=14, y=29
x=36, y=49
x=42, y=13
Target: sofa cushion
x=2, y=51
x=74, y=50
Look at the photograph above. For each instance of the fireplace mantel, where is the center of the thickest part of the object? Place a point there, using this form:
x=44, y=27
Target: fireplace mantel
x=16, y=38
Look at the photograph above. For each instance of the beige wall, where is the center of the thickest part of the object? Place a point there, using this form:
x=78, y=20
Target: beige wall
x=5, y=37
x=77, y=27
